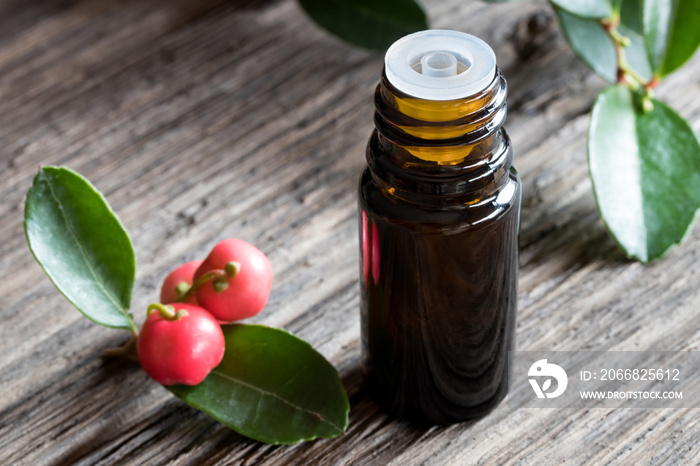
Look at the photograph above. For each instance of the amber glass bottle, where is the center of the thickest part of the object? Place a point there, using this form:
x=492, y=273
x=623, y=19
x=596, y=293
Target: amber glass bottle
x=439, y=211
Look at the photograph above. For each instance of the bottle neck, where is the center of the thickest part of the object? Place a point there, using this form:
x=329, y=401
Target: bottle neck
x=440, y=148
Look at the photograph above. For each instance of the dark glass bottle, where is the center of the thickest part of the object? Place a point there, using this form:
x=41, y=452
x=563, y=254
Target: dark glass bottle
x=439, y=212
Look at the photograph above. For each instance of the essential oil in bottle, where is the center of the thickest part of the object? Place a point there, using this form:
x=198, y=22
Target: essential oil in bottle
x=439, y=208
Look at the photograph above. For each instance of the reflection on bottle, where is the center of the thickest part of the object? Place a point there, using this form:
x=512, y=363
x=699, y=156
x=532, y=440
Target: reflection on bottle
x=371, y=258
x=365, y=247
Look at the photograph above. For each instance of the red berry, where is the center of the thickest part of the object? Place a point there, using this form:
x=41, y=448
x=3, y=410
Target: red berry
x=246, y=293
x=180, y=350
x=182, y=274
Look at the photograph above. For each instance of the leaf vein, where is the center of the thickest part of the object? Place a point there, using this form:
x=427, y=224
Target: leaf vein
x=274, y=395
x=94, y=274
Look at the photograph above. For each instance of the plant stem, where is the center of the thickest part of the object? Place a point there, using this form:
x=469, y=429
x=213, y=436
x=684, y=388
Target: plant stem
x=220, y=277
x=167, y=311
x=625, y=74
x=127, y=350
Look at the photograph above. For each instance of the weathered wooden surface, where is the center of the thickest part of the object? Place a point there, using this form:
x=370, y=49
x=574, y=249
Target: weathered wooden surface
x=209, y=119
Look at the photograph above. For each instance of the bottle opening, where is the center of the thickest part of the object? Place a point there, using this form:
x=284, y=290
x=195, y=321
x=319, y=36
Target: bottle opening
x=440, y=65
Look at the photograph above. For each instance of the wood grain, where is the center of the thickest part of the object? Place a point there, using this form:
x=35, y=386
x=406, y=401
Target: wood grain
x=208, y=119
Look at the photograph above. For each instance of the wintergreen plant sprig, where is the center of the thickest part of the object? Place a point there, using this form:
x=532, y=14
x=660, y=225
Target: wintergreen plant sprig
x=269, y=385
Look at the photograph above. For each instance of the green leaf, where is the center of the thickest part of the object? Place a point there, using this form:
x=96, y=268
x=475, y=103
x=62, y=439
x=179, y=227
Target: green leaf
x=81, y=245
x=631, y=15
x=672, y=32
x=591, y=43
x=272, y=387
x=586, y=8
x=368, y=23
x=595, y=48
x=645, y=169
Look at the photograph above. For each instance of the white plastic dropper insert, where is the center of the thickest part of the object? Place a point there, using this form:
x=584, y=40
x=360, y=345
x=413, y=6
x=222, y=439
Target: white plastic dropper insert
x=440, y=64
